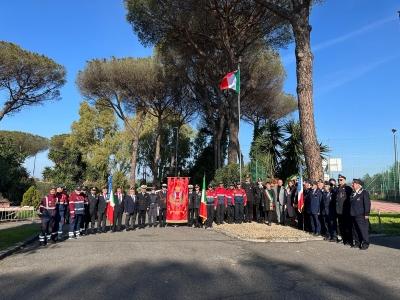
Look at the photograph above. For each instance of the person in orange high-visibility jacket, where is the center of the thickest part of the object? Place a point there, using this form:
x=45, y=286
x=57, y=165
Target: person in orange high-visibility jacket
x=210, y=201
x=230, y=204
x=220, y=203
x=240, y=198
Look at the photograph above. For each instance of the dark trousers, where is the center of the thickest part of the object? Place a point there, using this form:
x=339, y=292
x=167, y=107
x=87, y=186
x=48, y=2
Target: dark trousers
x=117, y=218
x=60, y=221
x=268, y=216
x=330, y=224
x=360, y=231
x=74, y=225
x=239, y=212
x=300, y=220
x=47, y=229
x=307, y=222
x=230, y=214
x=345, y=228
x=249, y=211
x=210, y=215
x=163, y=216
x=130, y=218
x=193, y=217
x=257, y=212
x=142, y=218
x=101, y=221
x=324, y=226
x=315, y=224
x=93, y=220
x=220, y=213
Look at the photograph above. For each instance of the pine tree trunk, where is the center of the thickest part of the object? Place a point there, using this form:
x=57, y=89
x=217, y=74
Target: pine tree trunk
x=157, y=155
x=304, y=72
x=135, y=145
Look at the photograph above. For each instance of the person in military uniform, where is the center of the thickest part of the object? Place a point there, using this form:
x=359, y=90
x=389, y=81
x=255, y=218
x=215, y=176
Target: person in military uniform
x=220, y=203
x=307, y=203
x=315, y=207
x=48, y=213
x=153, y=207
x=191, y=199
x=143, y=201
x=210, y=201
x=328, y=211
x=101, y=211
x=130, y=209
x=360, y=207
x=240, y=200
x=196, y=206
x=93, y=200
x=230, y=204
x=118, y=210
x=163, y=206
x=248, y=208
x=343, y=211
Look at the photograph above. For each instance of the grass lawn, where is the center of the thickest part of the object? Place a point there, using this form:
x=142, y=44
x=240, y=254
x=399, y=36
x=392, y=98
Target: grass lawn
x=390, y=223
x=11, y=236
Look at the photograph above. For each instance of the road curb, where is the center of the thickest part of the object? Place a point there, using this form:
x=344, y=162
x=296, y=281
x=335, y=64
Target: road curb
x=289, y=240
x=18, y=246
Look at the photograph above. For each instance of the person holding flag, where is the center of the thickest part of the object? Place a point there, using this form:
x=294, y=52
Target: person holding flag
x=110, y=202
x=203, y=204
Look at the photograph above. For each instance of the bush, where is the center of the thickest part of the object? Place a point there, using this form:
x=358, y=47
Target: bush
x=31, y=197
x=229, y=174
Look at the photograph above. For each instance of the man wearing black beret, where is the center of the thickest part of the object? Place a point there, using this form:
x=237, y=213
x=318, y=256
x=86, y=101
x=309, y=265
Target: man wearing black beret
x=360, y=206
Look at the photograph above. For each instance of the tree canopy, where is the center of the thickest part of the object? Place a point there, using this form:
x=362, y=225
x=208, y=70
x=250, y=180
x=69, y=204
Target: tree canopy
x=26, y=143
x=27, y=78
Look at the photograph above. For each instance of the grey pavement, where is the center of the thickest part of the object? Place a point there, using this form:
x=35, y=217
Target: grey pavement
x=188, y=263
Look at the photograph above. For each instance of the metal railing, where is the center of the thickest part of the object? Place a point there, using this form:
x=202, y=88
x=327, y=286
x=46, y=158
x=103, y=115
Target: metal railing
x=16, y=213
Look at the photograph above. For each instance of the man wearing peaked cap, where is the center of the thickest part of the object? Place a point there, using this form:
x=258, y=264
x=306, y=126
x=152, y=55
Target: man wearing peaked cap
x=163, y=205
x=360, y=206
x=190, y=206
x=343, y=194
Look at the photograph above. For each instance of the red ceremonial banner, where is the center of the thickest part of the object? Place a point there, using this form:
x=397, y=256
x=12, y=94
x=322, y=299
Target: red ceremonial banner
x=177, y=199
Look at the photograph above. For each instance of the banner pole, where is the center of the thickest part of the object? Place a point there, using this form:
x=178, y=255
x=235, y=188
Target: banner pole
x=239, y=152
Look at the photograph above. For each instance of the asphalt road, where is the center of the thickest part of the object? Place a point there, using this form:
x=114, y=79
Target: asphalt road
x=188, y=263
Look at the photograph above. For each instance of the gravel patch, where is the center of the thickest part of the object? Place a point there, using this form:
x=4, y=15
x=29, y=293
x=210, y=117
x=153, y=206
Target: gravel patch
x=256, y=232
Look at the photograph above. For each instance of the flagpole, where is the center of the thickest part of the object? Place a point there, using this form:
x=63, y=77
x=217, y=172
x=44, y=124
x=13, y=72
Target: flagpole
x=239, y=152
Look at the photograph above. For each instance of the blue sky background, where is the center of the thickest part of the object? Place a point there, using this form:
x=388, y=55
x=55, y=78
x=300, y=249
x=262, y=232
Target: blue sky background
x=356, y=47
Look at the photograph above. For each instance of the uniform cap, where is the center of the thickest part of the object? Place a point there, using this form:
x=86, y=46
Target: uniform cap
x=164, y=185
x=342, y=176
x=190, y=186
x=143, y=186
x=93, y=189
x=358, y=181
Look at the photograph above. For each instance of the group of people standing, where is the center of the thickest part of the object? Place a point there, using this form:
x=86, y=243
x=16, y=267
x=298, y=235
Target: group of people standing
x=328, y=208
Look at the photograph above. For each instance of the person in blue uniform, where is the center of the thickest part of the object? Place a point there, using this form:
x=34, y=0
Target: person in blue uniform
x=360, y=206
x=314, y=209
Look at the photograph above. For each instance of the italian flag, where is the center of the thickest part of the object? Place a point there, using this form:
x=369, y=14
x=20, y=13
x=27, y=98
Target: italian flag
x=203, y=205
x=231, y=81
x=111, y=202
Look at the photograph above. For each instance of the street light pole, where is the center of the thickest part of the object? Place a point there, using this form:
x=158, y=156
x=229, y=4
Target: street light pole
x=395, y=163
x=176, y=150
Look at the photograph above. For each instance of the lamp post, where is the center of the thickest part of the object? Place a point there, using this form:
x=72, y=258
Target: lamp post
x=395, y=163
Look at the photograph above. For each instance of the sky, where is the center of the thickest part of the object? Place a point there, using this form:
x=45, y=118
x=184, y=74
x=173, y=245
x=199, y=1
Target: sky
x=356, y=47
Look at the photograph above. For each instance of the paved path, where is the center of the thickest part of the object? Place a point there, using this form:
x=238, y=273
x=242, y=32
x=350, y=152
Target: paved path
x=384, y=206
x=186, y=263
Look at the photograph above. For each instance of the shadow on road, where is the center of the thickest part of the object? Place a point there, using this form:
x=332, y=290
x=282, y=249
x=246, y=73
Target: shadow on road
x=254, y=277
x=386, y=241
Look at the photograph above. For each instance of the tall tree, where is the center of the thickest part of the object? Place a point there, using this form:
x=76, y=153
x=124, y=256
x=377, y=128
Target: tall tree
x=120, y=85
x=27, y=78
x=297, y=13
x=26, y=143
x=207, y=29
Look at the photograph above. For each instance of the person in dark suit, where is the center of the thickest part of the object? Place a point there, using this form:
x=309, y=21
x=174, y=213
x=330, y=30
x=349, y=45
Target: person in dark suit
x=143, y=201
x=259, y=201
x=314, y=209
x=153, y=207
x=130, y=209
x=343, y=195
x=101, y=211
x=248, y=186
x=191, y=199
x=328, y=212
x=93, y=200
x=163, y=205
x=196, y=198
x=118, y=210
x=360, y=206
x=307, y=203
